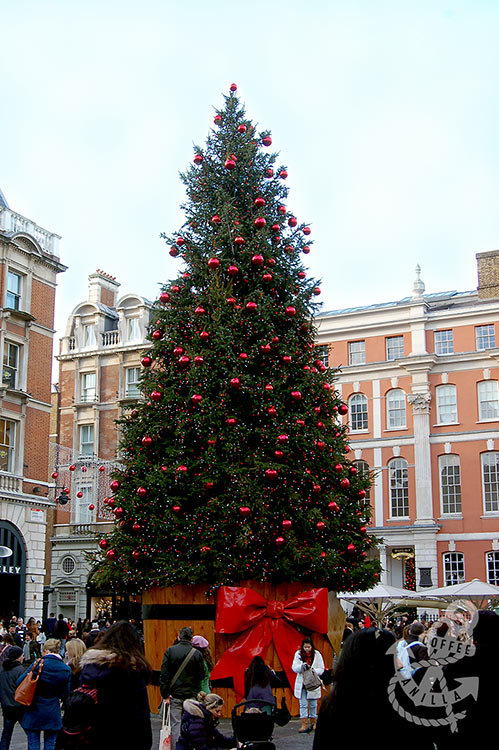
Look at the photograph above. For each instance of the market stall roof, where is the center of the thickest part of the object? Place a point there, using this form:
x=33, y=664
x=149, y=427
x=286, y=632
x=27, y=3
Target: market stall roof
x=380, y=601
x=475, y=589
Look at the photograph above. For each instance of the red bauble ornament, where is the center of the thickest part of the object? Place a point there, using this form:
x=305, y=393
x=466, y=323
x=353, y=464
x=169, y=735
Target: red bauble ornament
x=243, y=355
x=275, y=227
x=176, y=508
x=289, y=249
x=233, y=87
x=278, y=455
x=267, y=141
x=230, y=301
x=287, y=524
x=286, y=359
x=173, y=251
x=269, y=172
x=259, y=202
x=136, y=527
x=353, y=470
x=198, y=159
x=290, y=311
x=271, y=411
x=114, y=485
x=265, y=348
x=102, y=468
x=317, y=291
x=351, y=548
x=205, y=549
x=316, y=488
x=175, y=289
x=213, y=263
x=232, y=270
x=164, y=297
x=212, y=441
x=141, y=492
x=259, y=222
x=338, y=468
x=235, y=383
x=156, y=335
x=231, y=421
x=307, y=231
x=199, y=310
x=156, y=396
x=111, y=554
x=79, y=494
x=257, y=260
x=283, y=174
x=216, y=219
x=184, y=361
x=244, y=511
x=305, y=250
x=241, y=128
x=136, y=554
x=146, y=361
x=180, y=241
x=281, y=210
x=301, y=274
x=343, y=409
x=103, y=544
x=363, y=530
x=296, y=395
x=204, y=335
x=72, y=467
x=271, y=262
x=239, y=241
x=345, y=483
x=55, y=474
x=217, y=119
x=271, y=474
x=181, y=469
x=279, y=541
x=320, y=444
x=333, y=506
x=282, y=439
x=320, y=525
x=229, y=164
x=269, y=387
x=208, y=485
x=362, y=494
x=292, y=222
x=198, y=360
x=196, y=399
x=146, y=441
x=267, y=277
x=251, y=307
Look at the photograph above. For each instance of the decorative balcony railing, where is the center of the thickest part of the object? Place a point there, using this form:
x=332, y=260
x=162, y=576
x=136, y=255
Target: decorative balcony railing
x=10, y=483
x=110, y=338
x=12, y=222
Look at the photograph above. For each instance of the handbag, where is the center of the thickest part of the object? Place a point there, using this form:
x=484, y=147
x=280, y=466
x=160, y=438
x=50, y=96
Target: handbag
x=311, y=680
x=165, y=735
x=25, y=691
x=282, y=715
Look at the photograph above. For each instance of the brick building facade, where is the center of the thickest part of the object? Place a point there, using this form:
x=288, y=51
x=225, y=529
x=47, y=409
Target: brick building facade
x=421, y=379
x=99, y=368
x=29, y=264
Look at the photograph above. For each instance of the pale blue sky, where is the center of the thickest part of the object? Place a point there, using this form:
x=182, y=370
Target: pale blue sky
x=386, y=114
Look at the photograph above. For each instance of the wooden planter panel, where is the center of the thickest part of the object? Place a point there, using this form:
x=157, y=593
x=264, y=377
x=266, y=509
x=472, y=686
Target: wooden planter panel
x=166, y=610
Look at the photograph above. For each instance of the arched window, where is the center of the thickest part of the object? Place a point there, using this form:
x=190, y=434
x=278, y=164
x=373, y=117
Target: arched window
x=395, y=408
x=446, y=404
x=357, y=405
x=453, y=568
x=399, y=487
x=363, y=471
x=492, y=560
x=490, y=481
x=488, y=399
x=450, y=483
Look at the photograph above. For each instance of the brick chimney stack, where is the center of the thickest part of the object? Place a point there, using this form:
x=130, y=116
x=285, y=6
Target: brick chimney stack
x=488, y=274
x=102, y=288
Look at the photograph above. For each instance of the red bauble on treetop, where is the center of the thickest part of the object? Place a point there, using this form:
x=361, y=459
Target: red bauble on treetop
x=228, y=462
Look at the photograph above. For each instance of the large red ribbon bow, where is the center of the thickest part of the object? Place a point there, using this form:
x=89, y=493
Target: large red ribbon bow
x=262, y=622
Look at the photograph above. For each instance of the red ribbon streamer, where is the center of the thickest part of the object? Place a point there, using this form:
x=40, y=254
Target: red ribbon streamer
x=262, y=622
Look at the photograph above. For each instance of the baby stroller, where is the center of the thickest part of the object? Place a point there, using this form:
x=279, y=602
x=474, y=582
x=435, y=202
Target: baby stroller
x=253, y=724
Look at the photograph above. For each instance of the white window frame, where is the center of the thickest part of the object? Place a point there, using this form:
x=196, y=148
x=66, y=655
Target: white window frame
x=83, y=444
x=446, y=398
x=449, y=472
x=492, y=567
x=488, y=400
x=132, y=386
x=453, y=568
x=133, y=329
x=485, y=337
x=444, y=341
x=394, y=347
x=88, y=393
x=8, y=444
x=489, y=461
x=10, y=372
x=362, y=469
x=358, y=413
x=14, y=290
x=81, y=511
x=322, y=352
x=357, y=352
x=398, y=485
x=89, y=336
x=64, y=559
x=398, y=408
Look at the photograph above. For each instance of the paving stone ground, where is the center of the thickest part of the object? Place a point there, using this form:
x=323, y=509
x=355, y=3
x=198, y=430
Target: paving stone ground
x=285, y=738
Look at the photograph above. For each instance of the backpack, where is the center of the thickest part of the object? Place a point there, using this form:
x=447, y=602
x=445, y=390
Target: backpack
x=78, y=722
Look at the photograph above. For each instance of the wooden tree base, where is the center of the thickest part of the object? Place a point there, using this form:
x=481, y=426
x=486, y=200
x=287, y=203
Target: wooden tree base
x=166, y=610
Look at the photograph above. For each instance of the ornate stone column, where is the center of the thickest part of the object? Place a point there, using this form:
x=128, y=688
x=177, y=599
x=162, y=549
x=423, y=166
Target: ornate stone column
x=420, y=403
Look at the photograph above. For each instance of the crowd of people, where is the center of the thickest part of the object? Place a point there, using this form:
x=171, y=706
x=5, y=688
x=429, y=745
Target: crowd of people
x=105, y=673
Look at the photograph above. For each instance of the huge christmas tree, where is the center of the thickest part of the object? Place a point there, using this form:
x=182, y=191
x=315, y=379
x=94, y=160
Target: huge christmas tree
x=235, y=463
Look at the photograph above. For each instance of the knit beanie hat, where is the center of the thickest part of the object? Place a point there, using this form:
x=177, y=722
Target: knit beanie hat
x=14, y=652
x=210, y=700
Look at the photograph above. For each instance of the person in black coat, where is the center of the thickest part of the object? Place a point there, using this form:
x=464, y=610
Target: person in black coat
x=12, y=669
x=199, y=721
x=117, y=668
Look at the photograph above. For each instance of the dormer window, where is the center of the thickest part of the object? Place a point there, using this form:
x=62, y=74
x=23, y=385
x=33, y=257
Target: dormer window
x=134, y=329
x=89, y=339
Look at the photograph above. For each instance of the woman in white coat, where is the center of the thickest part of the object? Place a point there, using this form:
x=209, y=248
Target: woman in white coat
x=305, y=658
